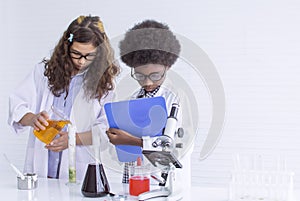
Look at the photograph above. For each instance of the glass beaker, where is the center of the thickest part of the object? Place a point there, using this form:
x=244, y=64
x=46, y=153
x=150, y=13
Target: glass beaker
x=139, y=181
x=56, y=123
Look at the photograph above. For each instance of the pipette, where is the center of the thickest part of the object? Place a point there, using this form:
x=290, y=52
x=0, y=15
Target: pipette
x=19, y=173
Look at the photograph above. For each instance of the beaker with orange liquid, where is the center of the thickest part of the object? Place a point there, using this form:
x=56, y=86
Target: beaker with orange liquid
x=56, y=122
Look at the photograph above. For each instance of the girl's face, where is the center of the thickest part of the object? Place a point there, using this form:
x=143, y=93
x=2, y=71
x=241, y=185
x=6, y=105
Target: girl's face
x=150, y=76
x=82, y=55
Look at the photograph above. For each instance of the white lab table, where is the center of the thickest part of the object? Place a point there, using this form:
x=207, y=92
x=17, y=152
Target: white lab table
x=53, y=189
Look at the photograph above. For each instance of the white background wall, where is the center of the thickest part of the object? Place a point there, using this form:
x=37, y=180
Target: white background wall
x=254, y=45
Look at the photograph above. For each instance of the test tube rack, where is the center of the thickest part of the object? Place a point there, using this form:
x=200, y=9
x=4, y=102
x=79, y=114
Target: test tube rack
x=253, y=182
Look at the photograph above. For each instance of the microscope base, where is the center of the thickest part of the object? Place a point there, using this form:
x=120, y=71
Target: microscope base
x=160, y=194
x=154, y=194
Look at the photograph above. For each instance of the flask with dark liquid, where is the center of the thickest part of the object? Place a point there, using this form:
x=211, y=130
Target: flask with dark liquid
x=95, y=183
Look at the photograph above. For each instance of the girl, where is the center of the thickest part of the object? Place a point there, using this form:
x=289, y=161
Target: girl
x=78, y=80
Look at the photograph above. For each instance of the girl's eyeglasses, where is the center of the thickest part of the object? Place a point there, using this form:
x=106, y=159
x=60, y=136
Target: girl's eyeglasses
x=78, y=55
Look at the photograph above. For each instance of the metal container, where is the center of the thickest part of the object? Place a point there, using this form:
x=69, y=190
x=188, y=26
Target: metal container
x=29, y=182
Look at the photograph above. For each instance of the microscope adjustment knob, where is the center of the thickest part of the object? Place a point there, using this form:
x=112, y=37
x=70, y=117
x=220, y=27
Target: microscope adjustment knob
x=180, y=132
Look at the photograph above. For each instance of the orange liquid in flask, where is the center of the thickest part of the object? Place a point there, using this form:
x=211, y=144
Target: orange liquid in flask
x=51, y=130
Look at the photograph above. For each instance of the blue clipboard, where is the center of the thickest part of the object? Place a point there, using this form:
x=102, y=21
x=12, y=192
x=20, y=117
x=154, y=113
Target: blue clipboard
x=139, y=117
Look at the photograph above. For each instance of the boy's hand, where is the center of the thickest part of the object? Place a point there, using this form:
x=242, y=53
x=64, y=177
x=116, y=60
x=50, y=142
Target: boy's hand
x=121, y=137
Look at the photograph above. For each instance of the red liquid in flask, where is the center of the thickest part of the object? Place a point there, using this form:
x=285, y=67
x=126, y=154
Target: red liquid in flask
x=138, y=185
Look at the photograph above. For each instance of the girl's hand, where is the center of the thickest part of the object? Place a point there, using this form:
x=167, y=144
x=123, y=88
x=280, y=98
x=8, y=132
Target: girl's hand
x=60, y=143
x=36, y=121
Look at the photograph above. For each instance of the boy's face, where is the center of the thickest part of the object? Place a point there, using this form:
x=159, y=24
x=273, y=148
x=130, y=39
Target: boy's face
x=150, y=76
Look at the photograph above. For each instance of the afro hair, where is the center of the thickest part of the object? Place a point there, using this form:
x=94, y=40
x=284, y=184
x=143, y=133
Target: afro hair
x=149, y=42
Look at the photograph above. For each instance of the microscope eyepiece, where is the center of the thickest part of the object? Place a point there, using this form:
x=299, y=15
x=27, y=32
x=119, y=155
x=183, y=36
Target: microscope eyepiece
x=174, y=111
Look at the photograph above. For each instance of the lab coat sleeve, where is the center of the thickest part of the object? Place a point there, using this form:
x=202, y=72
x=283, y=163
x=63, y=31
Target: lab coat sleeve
x=23, y=99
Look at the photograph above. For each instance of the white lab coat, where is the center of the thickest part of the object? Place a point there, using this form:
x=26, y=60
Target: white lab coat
x=114, y=169
x=33, y=95
x=182, y=175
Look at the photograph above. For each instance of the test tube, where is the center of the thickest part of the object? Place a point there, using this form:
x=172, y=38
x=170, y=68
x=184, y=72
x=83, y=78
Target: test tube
x=72, y=153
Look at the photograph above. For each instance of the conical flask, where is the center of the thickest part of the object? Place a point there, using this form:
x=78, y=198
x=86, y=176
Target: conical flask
x=95, y=183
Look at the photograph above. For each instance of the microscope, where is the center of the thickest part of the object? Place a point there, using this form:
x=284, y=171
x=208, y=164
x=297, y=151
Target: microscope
x=160, y=152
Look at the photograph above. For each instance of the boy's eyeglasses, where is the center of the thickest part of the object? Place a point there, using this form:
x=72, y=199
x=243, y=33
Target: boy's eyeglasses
x=154, y=77
x=78, y=55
